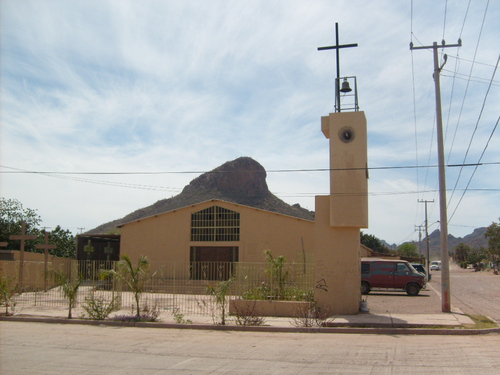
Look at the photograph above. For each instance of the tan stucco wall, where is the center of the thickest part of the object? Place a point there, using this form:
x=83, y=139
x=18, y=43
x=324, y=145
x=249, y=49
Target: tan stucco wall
x=166, y=237
x=348, y=175
x=337, y=271
x=28, y=256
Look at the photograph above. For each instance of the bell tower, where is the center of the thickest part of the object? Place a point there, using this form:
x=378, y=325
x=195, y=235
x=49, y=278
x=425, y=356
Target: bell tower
x=348, y=168
x=341, y=215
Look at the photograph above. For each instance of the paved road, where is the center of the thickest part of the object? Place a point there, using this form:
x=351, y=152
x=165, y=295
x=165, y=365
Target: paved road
x=475, y=293
x=38, y=348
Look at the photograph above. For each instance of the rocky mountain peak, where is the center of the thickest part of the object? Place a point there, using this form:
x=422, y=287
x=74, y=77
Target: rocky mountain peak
x=243, y=176
x=241, y=181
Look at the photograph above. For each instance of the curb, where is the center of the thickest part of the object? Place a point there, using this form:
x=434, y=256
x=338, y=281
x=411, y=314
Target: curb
x=355, y=328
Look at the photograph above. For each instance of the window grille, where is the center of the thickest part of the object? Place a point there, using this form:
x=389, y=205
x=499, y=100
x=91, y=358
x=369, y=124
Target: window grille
x=215, y=224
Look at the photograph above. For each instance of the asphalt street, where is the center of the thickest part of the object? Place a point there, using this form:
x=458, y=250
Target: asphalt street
x=39, y=348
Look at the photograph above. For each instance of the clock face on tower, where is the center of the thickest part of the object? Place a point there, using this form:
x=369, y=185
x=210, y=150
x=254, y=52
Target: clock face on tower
x=347, y=134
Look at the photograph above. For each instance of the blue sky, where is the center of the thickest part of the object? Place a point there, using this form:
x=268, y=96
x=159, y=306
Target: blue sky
x=184, y=86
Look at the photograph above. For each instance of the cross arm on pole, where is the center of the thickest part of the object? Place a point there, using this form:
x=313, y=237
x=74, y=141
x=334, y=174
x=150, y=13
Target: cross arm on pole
x=335, y=47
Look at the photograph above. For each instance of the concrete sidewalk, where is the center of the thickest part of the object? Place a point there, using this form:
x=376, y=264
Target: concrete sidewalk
x=364, y=322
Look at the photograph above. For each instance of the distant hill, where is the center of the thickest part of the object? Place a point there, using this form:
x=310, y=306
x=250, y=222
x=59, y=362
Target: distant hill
x=241, y=181
x=475, y=240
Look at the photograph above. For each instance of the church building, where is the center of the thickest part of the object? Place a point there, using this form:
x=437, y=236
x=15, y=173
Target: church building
x=216, y=231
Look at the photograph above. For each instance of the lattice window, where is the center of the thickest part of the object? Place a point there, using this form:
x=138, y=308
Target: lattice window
x=215, y=224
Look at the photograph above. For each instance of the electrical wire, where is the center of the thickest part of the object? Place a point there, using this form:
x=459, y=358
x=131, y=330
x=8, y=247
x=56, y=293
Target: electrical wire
x=470, y=78
x=444, y=21
x=465, y=95
x=14, y=170
x=485, y=147
x=475, y=129
x=414, y=106
x=474, y=172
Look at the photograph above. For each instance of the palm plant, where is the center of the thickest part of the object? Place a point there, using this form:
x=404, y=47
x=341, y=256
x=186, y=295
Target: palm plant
x=69, y=287
x=134, y=276
x=7, y=289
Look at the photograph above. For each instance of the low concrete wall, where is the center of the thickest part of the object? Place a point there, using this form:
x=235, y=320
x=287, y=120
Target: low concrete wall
x=268, y=308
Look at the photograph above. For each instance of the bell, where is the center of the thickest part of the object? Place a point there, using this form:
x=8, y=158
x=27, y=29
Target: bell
x=345, y=86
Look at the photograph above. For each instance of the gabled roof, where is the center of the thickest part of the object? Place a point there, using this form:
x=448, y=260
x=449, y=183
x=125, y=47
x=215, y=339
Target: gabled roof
x=214, y=201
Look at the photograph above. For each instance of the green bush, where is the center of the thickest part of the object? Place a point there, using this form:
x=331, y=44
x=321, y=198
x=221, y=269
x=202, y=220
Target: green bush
x=99, y=308
x=288, y=293
x=278, y=286
x=7, y=289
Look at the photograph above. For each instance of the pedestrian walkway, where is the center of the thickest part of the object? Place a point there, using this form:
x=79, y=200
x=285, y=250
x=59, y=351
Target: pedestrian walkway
x=363, y=322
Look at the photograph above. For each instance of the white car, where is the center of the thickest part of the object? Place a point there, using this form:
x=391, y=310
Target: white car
x=436, y=266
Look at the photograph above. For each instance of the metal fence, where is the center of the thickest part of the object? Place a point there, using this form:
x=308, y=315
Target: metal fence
x=169, y=285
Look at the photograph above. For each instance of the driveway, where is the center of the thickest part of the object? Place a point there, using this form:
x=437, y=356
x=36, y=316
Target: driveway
x=474, y=293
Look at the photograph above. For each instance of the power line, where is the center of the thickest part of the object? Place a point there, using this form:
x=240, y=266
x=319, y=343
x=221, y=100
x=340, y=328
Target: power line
x=470, y=143
x=465, y=18
x=24, y=171
x=414, y=105
x=471, y=61
x=469, y=78
x=470, y=179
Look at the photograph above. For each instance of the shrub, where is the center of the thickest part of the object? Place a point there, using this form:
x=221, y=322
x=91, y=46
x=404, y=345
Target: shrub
x=277, y=274
x=99, y=308
x=7, y=289
x=217, y=305
x=247, y=316
x=311, y=316
x=179, y=318
x=146, y=315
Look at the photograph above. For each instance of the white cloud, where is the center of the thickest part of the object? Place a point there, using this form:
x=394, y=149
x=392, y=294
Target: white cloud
x=187, y=86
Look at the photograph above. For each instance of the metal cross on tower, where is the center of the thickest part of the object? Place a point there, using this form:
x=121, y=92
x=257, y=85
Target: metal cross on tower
x=337, y=47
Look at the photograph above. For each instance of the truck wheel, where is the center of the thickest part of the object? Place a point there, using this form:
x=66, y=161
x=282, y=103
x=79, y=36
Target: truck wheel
x=365, y=287
x=412, y=289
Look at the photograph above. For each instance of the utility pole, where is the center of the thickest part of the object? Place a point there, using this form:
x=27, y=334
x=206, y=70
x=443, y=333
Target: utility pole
x=427, y=237
x=419, y=228
x=445, y=258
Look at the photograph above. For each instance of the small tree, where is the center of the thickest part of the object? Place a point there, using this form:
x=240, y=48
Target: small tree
x=69, y=287
x=475, y=256
x=373, y=243
x=493, y=236
x=134, y=276
x=408, y=249
x=461, y=252
x=7, y=289
x=278, y=276
x=12, y=214
x=219, y=292
x=64, y=241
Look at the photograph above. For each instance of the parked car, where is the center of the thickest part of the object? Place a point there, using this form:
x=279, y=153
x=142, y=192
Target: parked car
x=390, y=274
x=420, y=268
x=436, y=266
